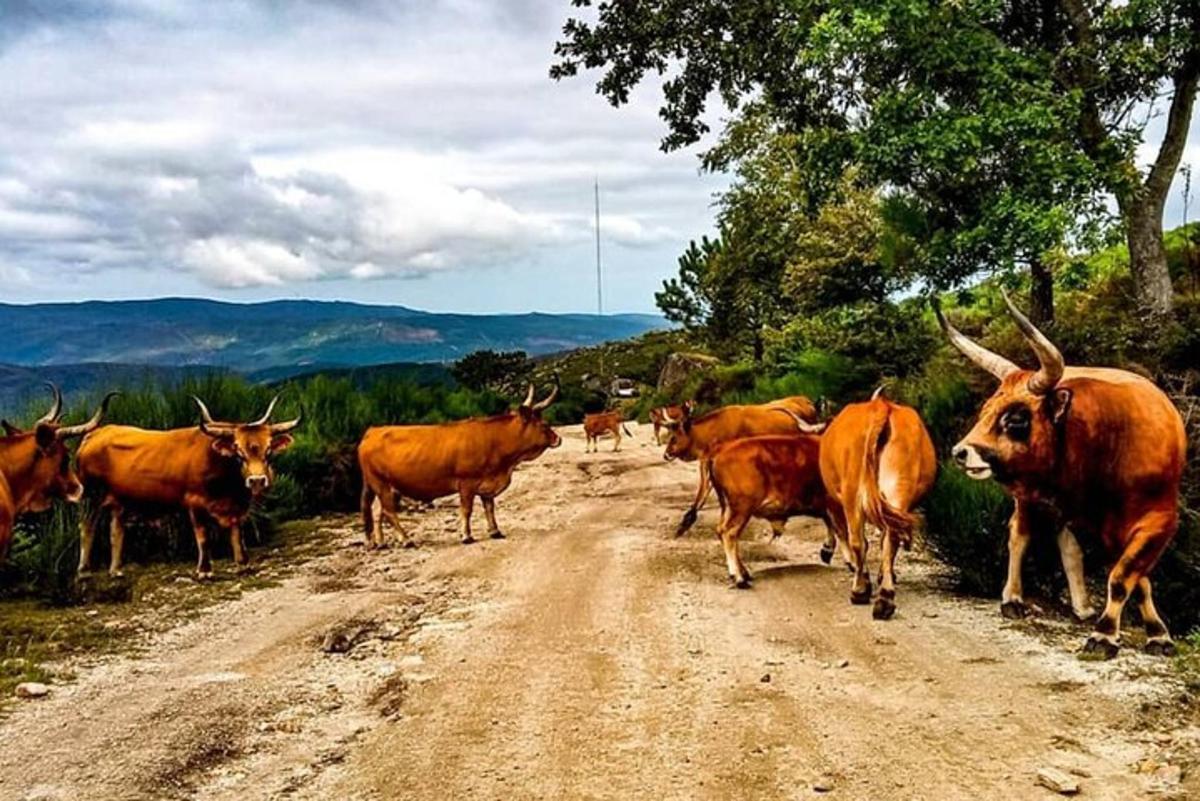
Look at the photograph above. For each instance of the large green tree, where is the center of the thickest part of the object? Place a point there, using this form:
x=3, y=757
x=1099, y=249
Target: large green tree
x=999, y=118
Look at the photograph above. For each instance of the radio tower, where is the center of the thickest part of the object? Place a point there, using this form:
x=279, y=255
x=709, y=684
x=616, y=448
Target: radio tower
x=599, y=280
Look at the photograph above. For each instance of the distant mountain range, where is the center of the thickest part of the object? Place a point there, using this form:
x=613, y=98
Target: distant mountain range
x=79, y=345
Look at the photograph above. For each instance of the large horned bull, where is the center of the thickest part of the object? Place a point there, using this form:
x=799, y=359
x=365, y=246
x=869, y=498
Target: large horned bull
x=1105, y=447
x=469, y=458
x=214, y=471
x=35, y=465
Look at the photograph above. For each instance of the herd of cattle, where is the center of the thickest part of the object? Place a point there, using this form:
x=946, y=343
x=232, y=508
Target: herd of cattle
x=1103, y=447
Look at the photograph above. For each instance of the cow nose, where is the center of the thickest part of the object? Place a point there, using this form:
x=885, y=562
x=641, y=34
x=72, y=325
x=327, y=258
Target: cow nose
x=256, y=482
x=960, y=454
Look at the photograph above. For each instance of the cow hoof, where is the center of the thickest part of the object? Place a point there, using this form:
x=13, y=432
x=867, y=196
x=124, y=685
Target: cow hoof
x=826, y=555
x=1014, y=610
x=410, y=544
x=1103, y=648
x=742, y=583
x=1087, y=615
x=204, y=576
x=1160, y=648
x=116, y=573
x=498, y=535
x=468, y=540
x=860, y=598
x=883, y=609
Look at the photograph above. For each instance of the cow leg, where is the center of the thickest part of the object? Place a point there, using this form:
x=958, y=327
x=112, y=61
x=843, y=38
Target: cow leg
x=466, y=503
x=689, y=517
x=87, y=534
x=235, y=542
x=116, y=539
x=203, y=560
x=617, y=437
x=489, y=509
x=1158, y=639
x=387, y=508
x=1150, y=536
x=885, y=604
x=1012, y=600
x=1072, y=560
x=6, y=530
x=777, y=527
x=860, y=591
x=730, y=530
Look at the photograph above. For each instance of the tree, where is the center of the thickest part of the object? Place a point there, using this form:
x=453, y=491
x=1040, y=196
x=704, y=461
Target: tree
x=1035, y=102
x=505, y=371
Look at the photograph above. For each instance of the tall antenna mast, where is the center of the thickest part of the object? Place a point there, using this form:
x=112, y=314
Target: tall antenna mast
x=599, y=280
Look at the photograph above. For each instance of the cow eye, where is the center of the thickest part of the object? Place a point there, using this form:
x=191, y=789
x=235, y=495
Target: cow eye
x=1017, y=423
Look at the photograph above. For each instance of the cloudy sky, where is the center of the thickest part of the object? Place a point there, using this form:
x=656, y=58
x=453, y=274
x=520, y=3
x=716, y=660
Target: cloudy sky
x=389, y=152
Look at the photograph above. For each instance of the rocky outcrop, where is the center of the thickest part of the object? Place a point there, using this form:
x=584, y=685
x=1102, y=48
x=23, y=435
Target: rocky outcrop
x=680, y=367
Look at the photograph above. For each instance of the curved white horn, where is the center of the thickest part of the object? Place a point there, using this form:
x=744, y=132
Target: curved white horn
x=55, y=407
x=994, y=363
x=549, y=399
x=66, y=432
x=1051, y=370
x=267, y=415
x=528, y=402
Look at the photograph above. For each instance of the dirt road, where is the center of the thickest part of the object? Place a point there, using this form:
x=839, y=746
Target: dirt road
x=592, y=656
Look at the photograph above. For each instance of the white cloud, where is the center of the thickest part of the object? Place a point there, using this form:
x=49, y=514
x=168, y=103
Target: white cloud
x=278, y=145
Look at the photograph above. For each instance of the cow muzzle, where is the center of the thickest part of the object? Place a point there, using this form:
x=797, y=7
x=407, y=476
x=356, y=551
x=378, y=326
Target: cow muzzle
x=971, y=461
x=257, y=483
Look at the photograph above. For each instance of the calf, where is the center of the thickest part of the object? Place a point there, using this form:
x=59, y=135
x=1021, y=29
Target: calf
x=601, y=423
x=773, y=478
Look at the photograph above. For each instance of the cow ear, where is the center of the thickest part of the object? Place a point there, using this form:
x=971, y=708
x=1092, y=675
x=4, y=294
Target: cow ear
x=224, y=446
x=1060, y=404
x=281, y=442
x=9, y=429
x=46, y=435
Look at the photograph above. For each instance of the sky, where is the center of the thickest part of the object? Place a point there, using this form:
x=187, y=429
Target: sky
x=413, y=153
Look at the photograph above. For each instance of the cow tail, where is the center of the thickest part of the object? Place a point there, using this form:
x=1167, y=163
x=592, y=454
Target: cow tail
x=875, y=507
x=368, y=513
x=626, y=430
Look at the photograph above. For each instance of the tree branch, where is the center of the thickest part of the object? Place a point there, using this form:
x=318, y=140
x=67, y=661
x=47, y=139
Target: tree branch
x=1092, y=127
x=1179, y=118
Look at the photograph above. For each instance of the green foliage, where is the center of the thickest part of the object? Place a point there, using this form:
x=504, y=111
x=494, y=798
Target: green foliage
x=505, y=371
x=966, y=521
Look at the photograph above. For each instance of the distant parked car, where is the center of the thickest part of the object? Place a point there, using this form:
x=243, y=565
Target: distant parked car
x=624, y=388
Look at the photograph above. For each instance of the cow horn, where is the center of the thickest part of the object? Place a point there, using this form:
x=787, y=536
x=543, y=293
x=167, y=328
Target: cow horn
x=802, y=424
x=267, y=415
x=549, y=399
x=994, y=363
x=283, y=428
x=528, y=402
x=55, y=407
x=67, y=432
x=878, y=393
x=210, y=426
x=1049, y=357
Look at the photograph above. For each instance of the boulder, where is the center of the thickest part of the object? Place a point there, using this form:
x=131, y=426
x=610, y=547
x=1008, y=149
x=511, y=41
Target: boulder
x=680, y=367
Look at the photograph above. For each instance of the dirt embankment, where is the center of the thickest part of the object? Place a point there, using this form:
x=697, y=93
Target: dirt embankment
x=592, y=656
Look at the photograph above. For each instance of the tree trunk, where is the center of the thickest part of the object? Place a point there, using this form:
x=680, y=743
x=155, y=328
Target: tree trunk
x=1148, y=256
x=1041, y=292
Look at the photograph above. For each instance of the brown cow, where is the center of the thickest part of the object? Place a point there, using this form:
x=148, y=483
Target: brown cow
x=1105, y=447
x=663, y=418
x=35, y=466
x=772, y=478
x=472, y=458
x=692, y=437
x=877, y=462
x=600, y=423
x=214, y=470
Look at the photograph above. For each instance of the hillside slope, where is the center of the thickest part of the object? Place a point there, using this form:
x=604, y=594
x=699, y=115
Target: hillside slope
x=259, y=336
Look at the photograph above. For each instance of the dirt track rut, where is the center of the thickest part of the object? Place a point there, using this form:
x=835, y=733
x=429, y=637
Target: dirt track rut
x=591, y=656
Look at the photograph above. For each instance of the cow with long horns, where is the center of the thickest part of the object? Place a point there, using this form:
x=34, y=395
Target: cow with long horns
x=214, y=471
x=35, y=465
x=471, y=458
x=1105, y=447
